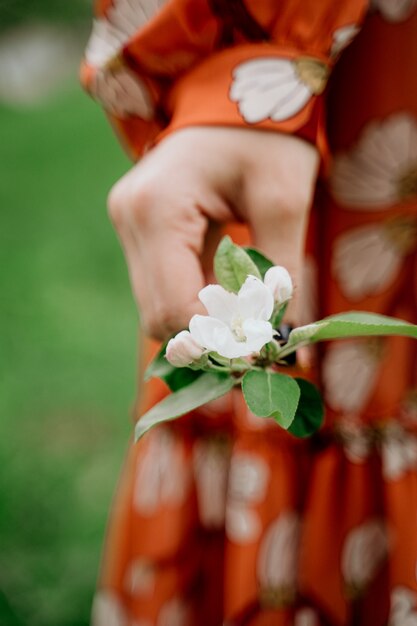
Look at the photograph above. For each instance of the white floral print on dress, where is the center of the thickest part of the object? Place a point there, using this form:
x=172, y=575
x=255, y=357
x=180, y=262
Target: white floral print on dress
x=108, y=610
x=249, y=475
x=306, y=617
x=248, y=482
x=276, y=88
x=123, y=18
x=211, y=467
x=278, y=559
x=364, y=550
x=242, y=524
x=174, y=613
x=398, y=453
x=355, y=437
x=381, y=169
x=408, y=410
x=395, y=10
x=342, y=37
x=367, y=260
x=118, y=89
x=122, y=93
x=140, y=578
x=162, y=474
x=350, y=370
x=403, y=607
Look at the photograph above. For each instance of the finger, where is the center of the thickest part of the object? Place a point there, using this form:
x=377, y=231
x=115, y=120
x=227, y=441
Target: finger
x=211, y=241
x=279, y=185
x=173, y=277
x=121, y=221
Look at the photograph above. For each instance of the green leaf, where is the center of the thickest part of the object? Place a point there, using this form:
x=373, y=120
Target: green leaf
x=174, y=377
x=270, y=394
x=261, y=261
x=351, y=324
x=232, y=265
x=181, y=377
x=207, y=387
x=310, y=411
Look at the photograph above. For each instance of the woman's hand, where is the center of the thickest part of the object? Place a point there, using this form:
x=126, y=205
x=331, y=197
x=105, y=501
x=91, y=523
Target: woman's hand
x=166, y=208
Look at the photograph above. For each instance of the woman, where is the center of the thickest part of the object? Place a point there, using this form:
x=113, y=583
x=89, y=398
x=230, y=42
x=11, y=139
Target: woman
x=223, y=518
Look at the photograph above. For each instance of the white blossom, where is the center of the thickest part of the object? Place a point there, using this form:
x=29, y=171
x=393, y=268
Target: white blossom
x=237, y=324
x=183, y=349
x=278, y=280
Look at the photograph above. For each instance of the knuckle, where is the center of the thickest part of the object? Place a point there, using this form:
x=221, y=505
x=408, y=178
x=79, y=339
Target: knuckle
x=131, y=199
x=142, y=201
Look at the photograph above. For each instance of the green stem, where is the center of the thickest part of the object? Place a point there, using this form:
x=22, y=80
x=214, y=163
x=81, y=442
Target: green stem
x=286, y=350
x=217, y=368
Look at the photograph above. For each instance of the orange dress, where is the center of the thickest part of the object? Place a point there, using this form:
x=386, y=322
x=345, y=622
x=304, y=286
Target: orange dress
x=222, y=517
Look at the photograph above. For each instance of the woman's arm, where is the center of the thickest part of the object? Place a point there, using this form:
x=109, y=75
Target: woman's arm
x=233, y=100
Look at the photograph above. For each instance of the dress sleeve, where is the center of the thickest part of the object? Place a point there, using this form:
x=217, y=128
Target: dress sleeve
x=157, y=67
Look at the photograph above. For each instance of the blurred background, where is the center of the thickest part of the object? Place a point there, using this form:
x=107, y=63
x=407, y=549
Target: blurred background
x=68, y=323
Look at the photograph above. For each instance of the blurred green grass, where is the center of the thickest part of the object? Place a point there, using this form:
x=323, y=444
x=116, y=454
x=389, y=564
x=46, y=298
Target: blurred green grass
x=67, y=359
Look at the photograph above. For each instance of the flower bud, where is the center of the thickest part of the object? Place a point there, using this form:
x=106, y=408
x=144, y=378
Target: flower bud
x=183, y=349
x=278, y=280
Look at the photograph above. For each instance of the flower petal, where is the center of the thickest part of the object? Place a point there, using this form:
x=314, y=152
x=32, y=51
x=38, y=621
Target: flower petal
x=183, y=349
x=214, y=335
x=278, y=280
x=219, y=302
x=258, y=333
x=255, y=300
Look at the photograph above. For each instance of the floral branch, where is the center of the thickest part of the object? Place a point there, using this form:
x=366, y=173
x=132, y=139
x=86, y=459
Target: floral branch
x=241, y=343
